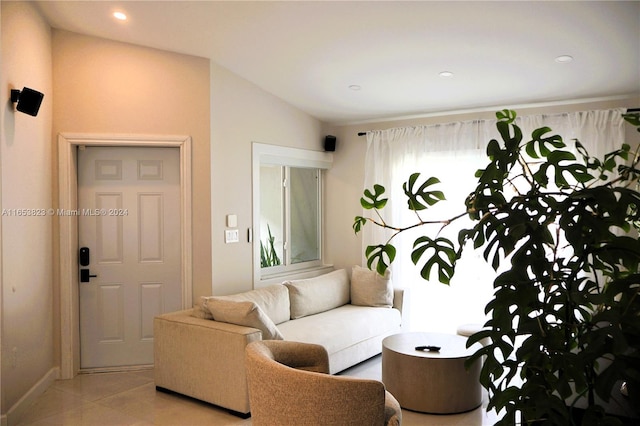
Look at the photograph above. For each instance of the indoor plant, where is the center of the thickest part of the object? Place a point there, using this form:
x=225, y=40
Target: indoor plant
x=268, y=254
x=565, y=315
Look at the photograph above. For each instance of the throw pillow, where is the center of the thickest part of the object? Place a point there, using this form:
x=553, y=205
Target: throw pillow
x=245, y=313
x=273, y=300
x=314, y=295
x=200, y=309
x=368, y=288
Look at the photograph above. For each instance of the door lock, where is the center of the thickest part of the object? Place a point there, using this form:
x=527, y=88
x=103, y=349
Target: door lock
x=85, y=275
x=84, y=256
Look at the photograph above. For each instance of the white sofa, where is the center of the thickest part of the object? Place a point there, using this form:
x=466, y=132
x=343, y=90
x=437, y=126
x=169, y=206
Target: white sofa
x=203, y=358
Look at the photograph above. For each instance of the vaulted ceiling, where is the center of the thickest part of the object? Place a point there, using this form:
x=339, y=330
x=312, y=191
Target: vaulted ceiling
x=362, y=60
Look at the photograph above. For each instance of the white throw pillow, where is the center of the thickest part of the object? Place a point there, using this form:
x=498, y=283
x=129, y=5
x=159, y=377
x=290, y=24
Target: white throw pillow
x=245, y=313
x=273, y=300
x=314, y=295
x=368, y=288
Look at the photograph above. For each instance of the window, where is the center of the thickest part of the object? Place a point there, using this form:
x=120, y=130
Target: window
x=287, y=211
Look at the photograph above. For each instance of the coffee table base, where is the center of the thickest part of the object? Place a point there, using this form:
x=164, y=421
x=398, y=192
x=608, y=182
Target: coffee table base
x=436, y=383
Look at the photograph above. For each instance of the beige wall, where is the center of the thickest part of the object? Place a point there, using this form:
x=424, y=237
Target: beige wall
x=242, y=113
x=346, y=179
x=27, y=158
x=110, y=87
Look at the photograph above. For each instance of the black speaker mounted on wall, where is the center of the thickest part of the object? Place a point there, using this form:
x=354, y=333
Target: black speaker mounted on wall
x=28, y=100
x=329, y=143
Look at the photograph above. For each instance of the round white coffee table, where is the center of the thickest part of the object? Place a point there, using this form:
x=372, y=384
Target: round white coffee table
x=430, y=381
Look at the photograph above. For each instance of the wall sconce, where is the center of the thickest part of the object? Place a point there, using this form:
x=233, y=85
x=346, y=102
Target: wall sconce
x=28, y=100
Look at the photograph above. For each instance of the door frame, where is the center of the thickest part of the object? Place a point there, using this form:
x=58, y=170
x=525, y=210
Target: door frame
x=68, y=144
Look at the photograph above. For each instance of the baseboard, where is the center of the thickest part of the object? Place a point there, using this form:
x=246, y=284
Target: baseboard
x=18, y=410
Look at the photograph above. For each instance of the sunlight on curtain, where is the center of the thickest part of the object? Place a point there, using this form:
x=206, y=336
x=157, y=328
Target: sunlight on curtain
x=452, y=152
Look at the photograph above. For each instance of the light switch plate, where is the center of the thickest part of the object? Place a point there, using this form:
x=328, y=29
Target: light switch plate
x=232, y=221
x=231, y=236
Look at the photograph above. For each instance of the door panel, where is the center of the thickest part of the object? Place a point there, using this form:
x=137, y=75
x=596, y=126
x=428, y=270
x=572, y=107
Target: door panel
x=150, y=209
x=129, y=218
x=109, y=231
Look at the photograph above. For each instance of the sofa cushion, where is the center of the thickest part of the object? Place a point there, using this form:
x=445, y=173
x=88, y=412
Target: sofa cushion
x=245, y=313
x=368, y=288
x=341, y=329
x=313, y=295
x=273, y=300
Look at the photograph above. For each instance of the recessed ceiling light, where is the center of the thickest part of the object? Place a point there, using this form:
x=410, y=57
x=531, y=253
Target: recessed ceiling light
x=446, y=74
x=563, y=59
x=355, y=87
x=120, y=16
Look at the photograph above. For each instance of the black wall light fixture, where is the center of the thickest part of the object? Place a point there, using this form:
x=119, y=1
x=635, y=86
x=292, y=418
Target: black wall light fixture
x=28, y=100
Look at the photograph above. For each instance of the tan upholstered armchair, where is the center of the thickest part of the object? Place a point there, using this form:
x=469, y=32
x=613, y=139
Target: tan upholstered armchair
x=289, y=384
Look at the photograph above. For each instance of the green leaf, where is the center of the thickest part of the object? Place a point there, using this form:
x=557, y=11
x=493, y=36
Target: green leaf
x=382, y=254
x=373, y=200
x=537, y=147
x=442, y=255
x=358, y=223
x=578, y=171
x=414, y=195
x=633, y=119
x=506, y=115
x=493, y=149
x=511, y=143
x=497, y=239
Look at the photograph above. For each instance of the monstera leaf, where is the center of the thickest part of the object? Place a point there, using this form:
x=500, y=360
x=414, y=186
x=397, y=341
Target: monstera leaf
x=372, y=200
x=554, y=159
x=538, y=146
x=414, y=195
x=358, y=223
x=382, y=255
x=440, y=253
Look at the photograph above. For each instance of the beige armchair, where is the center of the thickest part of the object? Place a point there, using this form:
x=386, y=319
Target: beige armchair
x=289, y=384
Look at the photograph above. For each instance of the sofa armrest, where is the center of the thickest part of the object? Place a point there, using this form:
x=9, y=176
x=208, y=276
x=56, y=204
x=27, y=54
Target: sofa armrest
x=202, y=358
x=400, y=302
x=398, y=298
x=298, y=355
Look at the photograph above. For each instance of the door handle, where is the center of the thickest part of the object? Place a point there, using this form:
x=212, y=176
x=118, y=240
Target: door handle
x=85, y=275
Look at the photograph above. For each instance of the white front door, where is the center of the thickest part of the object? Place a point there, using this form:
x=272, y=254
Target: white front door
x=129, y=220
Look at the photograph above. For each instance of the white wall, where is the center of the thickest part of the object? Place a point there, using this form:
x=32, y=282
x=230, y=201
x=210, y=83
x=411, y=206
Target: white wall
x=242, y=113
x=27, y=247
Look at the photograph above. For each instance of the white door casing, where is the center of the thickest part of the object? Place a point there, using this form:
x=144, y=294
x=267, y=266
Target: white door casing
x=129, y=224
x=68, y=229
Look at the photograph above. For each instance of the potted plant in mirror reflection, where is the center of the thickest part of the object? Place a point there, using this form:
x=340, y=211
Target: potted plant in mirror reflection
x=268, y=255
x=565, y=314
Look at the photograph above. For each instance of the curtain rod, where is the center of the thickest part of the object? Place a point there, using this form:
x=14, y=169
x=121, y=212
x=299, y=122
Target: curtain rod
x=633, y=110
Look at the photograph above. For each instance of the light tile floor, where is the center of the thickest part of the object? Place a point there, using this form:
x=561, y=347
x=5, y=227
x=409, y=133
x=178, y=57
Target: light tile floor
x=128, y=399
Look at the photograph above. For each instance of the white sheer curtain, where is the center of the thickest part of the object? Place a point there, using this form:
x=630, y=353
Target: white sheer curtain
x=453, y=152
